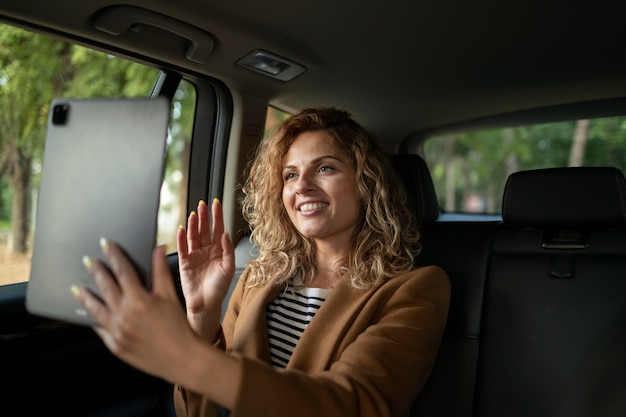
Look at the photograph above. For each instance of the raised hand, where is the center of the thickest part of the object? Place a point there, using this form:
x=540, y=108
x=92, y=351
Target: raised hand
x=206, y=258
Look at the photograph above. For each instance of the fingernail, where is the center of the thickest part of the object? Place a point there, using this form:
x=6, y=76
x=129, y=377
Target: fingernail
x=87, y=262
x=202, y=203
x=75, y=291
x=193, y=213
x=104, y=243
x=216, y=200
x=181, y=227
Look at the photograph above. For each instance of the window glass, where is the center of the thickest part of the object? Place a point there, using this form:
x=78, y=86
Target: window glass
x=470, y=169
x=274, y=118
x=173, y=208
x=35, y=69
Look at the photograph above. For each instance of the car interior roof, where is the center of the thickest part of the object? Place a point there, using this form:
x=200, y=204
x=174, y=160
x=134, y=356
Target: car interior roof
x=403, y=68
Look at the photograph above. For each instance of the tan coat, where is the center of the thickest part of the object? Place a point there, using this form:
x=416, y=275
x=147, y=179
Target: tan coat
x=365, y=353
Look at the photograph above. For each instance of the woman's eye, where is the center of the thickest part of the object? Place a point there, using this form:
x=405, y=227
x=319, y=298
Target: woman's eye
x=289, y=176
x=325, y=169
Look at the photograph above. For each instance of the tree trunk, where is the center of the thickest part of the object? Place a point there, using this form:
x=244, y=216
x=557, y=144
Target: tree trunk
x=20, y=167
x=511, y=163
x=579, y=144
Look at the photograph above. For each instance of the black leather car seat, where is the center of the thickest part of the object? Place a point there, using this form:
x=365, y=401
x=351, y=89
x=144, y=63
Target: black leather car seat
x=462, y=249
x=556, y=286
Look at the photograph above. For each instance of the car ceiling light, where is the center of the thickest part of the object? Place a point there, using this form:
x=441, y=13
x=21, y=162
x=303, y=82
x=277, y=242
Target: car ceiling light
x=271, y=65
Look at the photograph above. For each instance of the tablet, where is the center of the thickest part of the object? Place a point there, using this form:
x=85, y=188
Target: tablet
x=101, y=177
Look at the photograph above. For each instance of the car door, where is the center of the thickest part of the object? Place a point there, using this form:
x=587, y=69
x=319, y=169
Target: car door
x=50, y=366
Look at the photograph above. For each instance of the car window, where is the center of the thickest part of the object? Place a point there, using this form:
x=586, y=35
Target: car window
x=35, y=69
x=470, y=169
x=274, y=118
x=173, y=207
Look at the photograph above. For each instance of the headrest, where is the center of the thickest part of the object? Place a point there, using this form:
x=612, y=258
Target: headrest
x=580, y=197
x=418, y=183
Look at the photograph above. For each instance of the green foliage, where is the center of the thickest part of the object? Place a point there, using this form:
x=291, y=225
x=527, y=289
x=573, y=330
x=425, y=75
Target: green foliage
x=481, y=161
x=35, y=69
x=5, y=225
x=30, y=68
x=547, y=145
x=606, y=142
x=95, y=74
x=5, y=200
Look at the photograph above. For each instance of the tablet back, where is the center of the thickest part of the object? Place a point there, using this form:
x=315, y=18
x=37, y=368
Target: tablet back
x=102, y=173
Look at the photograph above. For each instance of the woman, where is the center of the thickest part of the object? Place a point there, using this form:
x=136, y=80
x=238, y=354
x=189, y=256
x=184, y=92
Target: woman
x=336, y=248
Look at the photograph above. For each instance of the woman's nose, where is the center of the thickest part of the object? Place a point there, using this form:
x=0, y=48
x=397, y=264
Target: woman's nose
x=304, y=183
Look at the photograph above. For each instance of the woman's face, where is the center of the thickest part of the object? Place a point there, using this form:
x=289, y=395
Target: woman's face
x=319, y=189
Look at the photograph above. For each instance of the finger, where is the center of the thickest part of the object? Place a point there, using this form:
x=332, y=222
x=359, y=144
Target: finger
x=181, y=242
x=107, y=285
x=193, y=241
x=92, y=303
x=228, y=254
x=122, y=267
x=204, y=226
x=162, y=281
x=218, y=220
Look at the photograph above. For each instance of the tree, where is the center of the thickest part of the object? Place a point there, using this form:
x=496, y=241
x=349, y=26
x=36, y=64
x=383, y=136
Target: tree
x=606, y=144
x=28, y=64
x=34, y=69
x=96, y=74
x=579, y=144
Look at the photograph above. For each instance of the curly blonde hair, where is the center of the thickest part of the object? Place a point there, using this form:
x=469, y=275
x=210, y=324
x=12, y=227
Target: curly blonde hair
x=385, y=241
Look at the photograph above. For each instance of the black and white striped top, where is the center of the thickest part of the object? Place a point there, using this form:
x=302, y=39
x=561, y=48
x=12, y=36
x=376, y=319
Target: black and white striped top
x=287, y=317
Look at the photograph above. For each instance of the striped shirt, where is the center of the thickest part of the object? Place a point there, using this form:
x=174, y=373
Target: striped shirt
x=287, y=317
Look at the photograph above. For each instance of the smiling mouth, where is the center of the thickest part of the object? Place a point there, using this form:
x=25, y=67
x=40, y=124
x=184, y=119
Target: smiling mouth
x=312, y=206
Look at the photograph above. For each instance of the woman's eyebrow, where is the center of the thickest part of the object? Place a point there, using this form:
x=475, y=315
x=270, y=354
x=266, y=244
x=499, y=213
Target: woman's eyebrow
x=321, y=158
x=317, y=160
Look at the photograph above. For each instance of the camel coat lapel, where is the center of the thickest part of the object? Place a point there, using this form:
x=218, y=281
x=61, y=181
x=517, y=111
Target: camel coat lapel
x=319, y=345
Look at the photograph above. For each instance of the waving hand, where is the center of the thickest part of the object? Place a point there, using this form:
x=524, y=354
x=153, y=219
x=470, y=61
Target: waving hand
x=207, y=264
